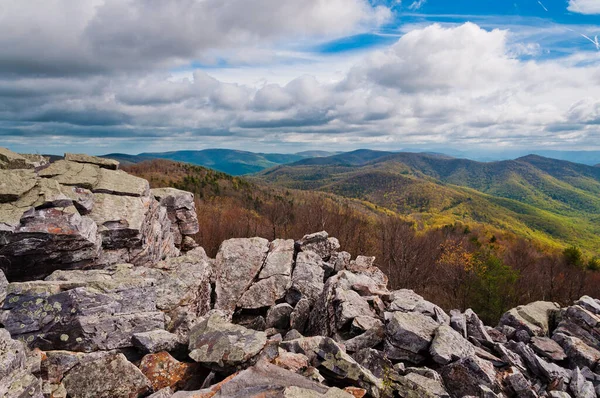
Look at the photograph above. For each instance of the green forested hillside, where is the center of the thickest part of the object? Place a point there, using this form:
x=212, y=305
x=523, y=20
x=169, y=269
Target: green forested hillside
x=554, y=201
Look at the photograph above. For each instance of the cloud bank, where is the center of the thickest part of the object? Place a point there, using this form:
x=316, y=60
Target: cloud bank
x=584, y=6
x=106, y=83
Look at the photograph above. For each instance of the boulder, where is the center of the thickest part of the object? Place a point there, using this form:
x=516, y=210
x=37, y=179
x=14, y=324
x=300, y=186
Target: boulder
x=307, y=278
x=520, y=385
x=408, y=336
x=448, y=345
x=156, y=341
x=299, y=317
x=164, y=371
x=475, y=328
x=111, y=376
x=80, y=319
x=48, y=239
x=416, y=386
x=181, y=210
x=102, y=162
x=238, y=262
x=217, y=343
x=535, y=318
x=16, y=378
x=579, y=354
x=319, y=243
x=326, y=354
x=291, y=361
x=548, y=348
x=465, y=376
x=10, y=160
x=278, y=316
x=369, y=339
x=279, y=259
x=265, y=292
x=580, y=387
x=266, y=380
x=348, y=306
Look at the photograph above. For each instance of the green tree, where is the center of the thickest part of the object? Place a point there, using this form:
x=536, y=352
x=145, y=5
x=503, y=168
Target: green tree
x=573, y=257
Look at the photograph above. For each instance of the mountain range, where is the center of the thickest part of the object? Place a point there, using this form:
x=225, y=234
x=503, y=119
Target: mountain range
x=554, y=201
x=236, y=162
x=228, y=161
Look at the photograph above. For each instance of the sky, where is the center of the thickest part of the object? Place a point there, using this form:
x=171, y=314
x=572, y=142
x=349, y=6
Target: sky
x=131, y=76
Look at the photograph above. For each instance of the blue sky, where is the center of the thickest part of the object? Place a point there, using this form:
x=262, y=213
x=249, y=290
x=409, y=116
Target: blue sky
x=289, y=75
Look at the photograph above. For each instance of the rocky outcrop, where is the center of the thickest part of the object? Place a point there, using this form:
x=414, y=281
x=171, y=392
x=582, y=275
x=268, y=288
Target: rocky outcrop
x=82, y=212
x=103, y=304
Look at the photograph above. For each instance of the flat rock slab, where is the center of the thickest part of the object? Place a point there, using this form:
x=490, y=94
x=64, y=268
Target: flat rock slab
x=102, y=162
x=73, y=174
x=534, y=318
x=15, y=183
x=279, y=260
x=118, y=182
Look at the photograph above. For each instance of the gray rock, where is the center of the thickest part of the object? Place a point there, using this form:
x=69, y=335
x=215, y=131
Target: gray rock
x=448, y=345
x=340, y=261
x=325, y=353
x=369, y=339
x=156, y=341
x=465, y=376
x=319, y=243
x=279, y=260
x=164, y=393
x=217, y=343
x=79, y=319
x=15, y=183
x=72, y=174
x=579, y=354
x=263, y=379
x=538, y=366
x=102, y=162
x=109, y=377
x=458, y=322
x=300, y=315
x=237, y=264
x=535, y=318
x=278, y=316
x=307, y=278
x=409, y=336
x=364, y=266
x=3, y=286
x=349, y=305
x=589, y=304
x=520, y=385
x=181, y=210
x=361, y=324
x=580, y=387
x=292, y=335
x=417, y=386
x=548, y=348
x=265, y=292
x=475, y=328
x=48, y=239
x=11, y=160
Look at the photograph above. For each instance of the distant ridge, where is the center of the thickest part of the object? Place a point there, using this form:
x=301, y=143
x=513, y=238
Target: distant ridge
x=553, y=200
x=229, y=161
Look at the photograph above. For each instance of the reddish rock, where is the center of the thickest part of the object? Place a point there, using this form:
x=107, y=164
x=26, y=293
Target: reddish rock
x=165, y=371
x=356, y=392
